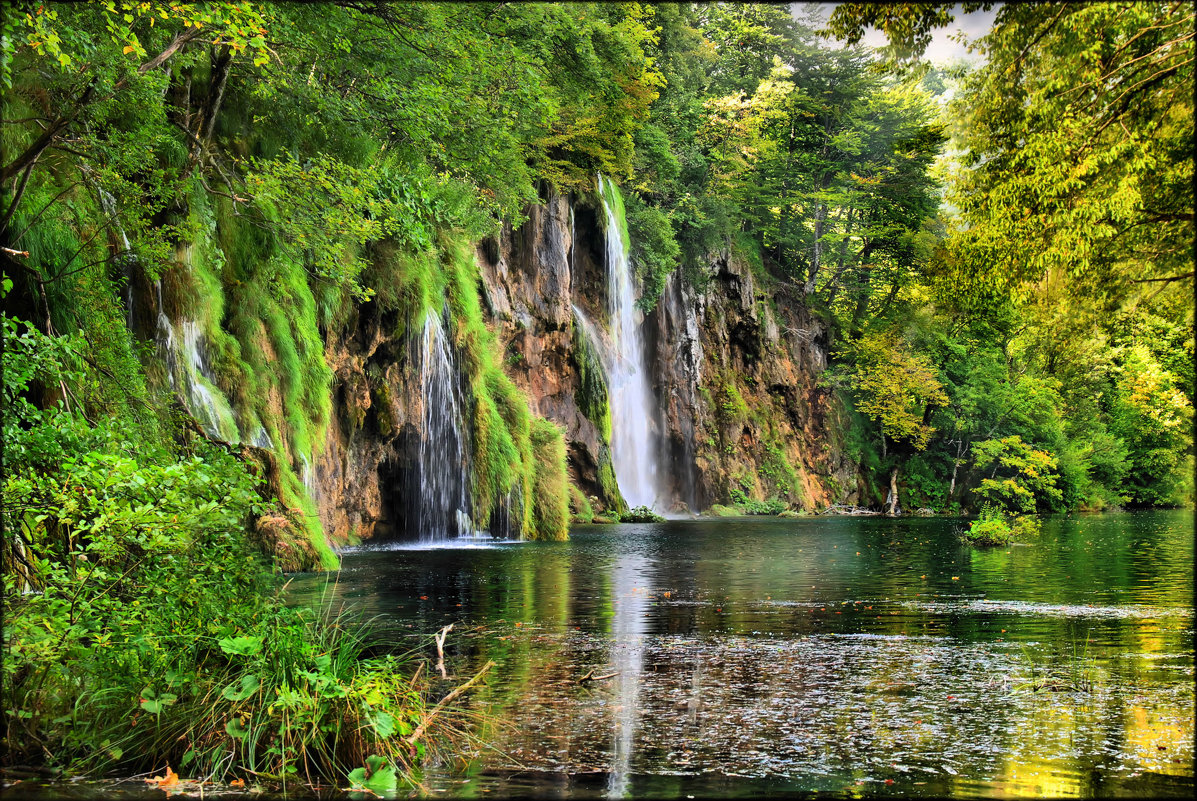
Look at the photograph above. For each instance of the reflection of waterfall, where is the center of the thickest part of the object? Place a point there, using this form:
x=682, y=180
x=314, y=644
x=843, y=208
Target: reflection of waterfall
x=633, y=451
x=442, y=507
x=629, y=584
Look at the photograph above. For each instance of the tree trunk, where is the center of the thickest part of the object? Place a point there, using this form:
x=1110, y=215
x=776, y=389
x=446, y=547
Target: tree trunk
x=864, y=290
x=891, y=500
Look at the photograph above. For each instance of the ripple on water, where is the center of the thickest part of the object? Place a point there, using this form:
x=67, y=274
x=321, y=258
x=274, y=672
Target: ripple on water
x=983, y=606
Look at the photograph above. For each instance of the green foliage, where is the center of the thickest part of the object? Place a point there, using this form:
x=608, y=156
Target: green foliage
x=895, y=388
x=1029, y=475
x=654, y=249
x=1154, y=419
x=142, y=625
x=1079, y=140
x=640, y=514
x=996, y=528
x=772, y=506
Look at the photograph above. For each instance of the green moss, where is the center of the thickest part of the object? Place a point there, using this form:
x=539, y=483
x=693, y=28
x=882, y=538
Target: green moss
x=593, y=397
x=776, y=469
x=608, y=483
x=514, y=456
x=731, y=403
x=719, y=510
x=581, y=510
x=295, y=495
x=550, y=497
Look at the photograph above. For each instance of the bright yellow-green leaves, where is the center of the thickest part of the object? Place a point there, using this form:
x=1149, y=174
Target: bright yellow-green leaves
x=1022, y=477
x=1079, y=133
x=240, y=26
x=895, y=387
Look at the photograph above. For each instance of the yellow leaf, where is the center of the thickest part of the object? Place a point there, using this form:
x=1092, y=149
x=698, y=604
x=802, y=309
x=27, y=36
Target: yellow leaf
x=128, y=49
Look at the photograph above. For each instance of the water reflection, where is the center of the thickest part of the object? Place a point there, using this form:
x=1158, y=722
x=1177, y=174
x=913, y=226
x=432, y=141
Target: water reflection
x=629, y=583
x=759, y=656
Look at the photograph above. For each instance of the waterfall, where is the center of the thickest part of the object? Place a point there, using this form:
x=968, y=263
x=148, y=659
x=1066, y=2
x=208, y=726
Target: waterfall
x=127, y=258
x=633, y=445
x=442, y=509
x=207, y=402
x=193, y=373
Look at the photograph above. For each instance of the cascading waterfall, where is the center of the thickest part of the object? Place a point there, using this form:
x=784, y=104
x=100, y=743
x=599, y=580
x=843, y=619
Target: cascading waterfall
x=633, y=451
x=127, y=258
x=204, y=400
x=443, y=505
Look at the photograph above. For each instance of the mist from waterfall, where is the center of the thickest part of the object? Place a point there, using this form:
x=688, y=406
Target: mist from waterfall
x=633, y=445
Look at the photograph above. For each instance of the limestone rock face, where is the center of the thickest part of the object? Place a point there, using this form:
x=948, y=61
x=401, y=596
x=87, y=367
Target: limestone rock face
x=533, y=277
x=738, y=378
x=739, y=411
x=370, y=440
x=769, y=350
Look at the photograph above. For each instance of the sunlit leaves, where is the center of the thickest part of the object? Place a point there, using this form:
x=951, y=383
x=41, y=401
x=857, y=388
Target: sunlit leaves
x=130, y=24
x=1079, y=133
x=1022, y=477
x=894, y=387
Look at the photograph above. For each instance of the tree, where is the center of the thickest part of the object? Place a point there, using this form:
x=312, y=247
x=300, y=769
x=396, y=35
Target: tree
x=898, y=390
x=1028, y=479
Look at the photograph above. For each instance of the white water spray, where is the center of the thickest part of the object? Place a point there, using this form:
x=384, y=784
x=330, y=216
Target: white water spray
x=443, y=508
x=633, y=451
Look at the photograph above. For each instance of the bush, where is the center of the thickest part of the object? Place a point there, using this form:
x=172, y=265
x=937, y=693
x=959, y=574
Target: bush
x=772, y=506
x=993, y=528
x=142, y=626
x=640, y=514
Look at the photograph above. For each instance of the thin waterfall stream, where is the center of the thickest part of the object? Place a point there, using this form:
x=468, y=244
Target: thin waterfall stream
x=443, y=505
x=633, y=444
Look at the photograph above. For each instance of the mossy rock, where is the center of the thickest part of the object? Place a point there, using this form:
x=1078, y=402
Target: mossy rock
x=640, y=514
x=719, y=510
x=282, y=537
x=603, y=520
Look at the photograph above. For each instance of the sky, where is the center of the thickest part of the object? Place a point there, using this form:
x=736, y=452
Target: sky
x=942, y=49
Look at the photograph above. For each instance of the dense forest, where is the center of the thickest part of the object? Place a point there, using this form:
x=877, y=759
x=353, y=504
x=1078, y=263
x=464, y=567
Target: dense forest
x=227, y=228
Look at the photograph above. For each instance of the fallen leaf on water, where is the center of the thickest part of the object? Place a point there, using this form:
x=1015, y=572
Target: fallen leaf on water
x=955, y=578
x=169, y=779
x=237, y=783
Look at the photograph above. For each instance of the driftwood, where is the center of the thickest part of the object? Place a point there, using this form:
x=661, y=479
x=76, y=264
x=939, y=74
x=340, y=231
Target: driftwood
x=840, y=509
x=448, y=699
x=440, y=650
x=591, y=677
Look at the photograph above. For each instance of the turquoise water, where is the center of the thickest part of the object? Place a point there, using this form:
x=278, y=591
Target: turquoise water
x=820, y=655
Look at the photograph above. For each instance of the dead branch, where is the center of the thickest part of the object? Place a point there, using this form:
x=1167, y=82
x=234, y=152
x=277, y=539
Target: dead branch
x=448, y=699
x=440, y=650
x=591, y=677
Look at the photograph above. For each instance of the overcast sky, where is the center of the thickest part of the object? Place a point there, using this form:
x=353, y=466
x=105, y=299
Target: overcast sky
x=942, y=49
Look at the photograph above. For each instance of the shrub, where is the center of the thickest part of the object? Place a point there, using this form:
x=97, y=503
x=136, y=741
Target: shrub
x=640, y=514
x=993, y=527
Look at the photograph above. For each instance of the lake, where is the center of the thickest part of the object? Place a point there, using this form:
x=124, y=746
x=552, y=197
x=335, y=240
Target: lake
x=860, y=655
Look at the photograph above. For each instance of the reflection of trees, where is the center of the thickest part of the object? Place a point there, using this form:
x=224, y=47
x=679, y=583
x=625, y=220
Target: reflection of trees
x=740, y=672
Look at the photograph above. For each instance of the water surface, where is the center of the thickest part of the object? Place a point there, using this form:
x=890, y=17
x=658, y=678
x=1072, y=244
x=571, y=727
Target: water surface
x=758, y=655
